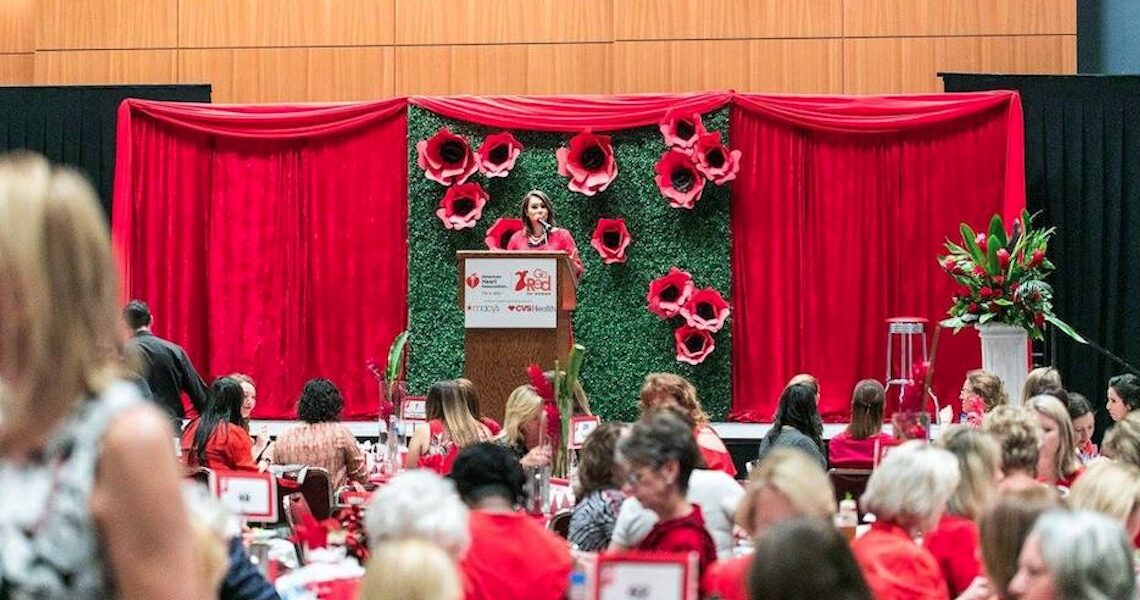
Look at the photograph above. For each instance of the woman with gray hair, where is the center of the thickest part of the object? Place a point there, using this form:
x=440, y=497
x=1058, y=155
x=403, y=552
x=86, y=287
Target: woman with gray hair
x=418, y=504
x=907, y=494
x=1077, y=555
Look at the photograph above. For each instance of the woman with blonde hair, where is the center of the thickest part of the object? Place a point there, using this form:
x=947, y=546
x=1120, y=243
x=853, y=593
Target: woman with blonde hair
x=471, y=397
x=410, y=569
x=1057, y=462
x=1122, y=442
x=522, y=427
x=1040, y=381
x=669, y=389
x=1019, y=435
x=1112, y=489
x=451, y=428
x=858, y=446
x=90, y=505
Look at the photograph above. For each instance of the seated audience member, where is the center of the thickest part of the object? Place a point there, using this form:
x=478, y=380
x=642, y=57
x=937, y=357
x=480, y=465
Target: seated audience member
x=986, y=386
x=1019, y=435
x=856, y=446
x=807, y=379
x=1111, y=489
x=248, y=402
x=1084, y=427
x=1074, y=556
x=1057, y=462
x=581, y=401
x=805, y=559
x=598, y=491
x=512, y=556
x=321, y=441
x=1123, y=396
x=217, y=439
x=907, y=494
x=522, y=428
x=797, y=424
x=1039, y=381
x=471, y=396
x=787, y=485
x=451, y=427
x=715, y=492
x=410, y=569
x=224, y=563
x=418, y=504
x=954, y=542
x=668, y=389
x=1004, y=528
x=658, y=456
x=1122, y=442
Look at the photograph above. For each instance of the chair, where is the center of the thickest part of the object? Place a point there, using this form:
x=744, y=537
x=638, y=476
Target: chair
x=560, y=524
x=294, y=508
x=315, y=485
x=203, y=476
x=849, y=481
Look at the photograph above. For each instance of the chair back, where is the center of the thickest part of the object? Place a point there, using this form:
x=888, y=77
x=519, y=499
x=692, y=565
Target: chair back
x=202, y=475
x=849, y=481
x=560, y=524
x=315, y=485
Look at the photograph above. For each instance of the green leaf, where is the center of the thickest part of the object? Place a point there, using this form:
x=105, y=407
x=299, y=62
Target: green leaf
x=956, y=249
x=969, y=238
x=1064, y=328
x=395, y=358
x=993, y=267
x=997, y=231
x=986, y=318
x=954, y=322
x=1003, y=302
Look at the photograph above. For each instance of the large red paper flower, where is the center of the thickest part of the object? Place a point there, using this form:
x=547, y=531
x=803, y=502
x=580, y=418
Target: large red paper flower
x=678, y=179
x=610, y=239
x=497, y=156
x=668, y=293
x=501, y=231
x=588, y=162
x=446, y=158
x=681, y=131
x=693, y=345
x=706, y=309
x=714, y=160
x=462, y=206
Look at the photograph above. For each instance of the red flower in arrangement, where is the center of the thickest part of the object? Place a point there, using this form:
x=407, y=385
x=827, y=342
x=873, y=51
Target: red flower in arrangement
x=588, y=162
x=462, y=206
x=706, y=309
x=714, y=160
x=446, y=158
x=681, y=131
x=668, y=293
x=611, y=238
x=501, y=231
x=497, y=156
x=693, y=345
x=678, y=179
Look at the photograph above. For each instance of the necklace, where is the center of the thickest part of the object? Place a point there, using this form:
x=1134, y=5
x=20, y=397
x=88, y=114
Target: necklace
x=535, y=241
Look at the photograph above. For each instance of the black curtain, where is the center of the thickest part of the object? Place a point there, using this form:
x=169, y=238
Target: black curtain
x=1082, y=170
x=75, y=125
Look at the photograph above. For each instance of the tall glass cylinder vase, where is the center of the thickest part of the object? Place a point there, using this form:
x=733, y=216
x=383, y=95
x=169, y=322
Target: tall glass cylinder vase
x=1005, y=353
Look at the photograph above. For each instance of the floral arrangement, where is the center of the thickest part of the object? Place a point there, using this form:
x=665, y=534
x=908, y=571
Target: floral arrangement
x=447, y=159
x=704, y=310
x=694, y=157
x=1001, y=277
x=588, y=162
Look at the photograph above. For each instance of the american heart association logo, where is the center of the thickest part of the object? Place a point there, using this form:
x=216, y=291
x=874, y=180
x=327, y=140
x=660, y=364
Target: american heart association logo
x=473, y=281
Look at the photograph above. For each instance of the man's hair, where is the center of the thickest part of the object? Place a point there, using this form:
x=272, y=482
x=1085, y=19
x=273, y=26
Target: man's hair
x=486, y=470
x=136, y=314
x=320, y=401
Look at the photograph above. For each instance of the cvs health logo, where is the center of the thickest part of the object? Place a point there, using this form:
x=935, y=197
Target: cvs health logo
x=537, y=280
x=473, y=281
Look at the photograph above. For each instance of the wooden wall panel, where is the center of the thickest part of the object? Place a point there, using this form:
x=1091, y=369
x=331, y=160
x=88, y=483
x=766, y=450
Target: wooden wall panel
x=885, y=18
x=245, y=23
x=106, y=24
x=17, y=69
x=905, y=65
x=105, y=66
x=726, y=19
x=253, y=75
x=18, y=26
x=503, y=69
x=436, y=22
x=570, y=69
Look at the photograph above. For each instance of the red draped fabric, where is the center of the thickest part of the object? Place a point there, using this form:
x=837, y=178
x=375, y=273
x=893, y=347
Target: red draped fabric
x=840, y=208
x=268, y=239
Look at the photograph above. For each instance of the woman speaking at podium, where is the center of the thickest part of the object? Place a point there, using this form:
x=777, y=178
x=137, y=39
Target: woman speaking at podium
x=539, y=232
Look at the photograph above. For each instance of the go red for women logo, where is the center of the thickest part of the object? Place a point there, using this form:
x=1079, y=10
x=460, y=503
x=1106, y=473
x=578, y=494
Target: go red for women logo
x=537, y=280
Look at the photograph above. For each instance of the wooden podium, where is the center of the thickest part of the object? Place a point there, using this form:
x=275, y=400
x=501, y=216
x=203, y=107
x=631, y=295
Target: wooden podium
x=504, y=296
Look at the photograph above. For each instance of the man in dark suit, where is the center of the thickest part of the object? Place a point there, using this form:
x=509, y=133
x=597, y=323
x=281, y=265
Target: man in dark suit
x=165, y=365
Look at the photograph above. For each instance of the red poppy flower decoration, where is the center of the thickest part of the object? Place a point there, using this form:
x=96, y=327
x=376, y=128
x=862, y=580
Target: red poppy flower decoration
x=668, y=293
x=462, y=206
x=681, y=131
x=611, y=238
x=705, y=310
x=693, y=345
x=497, y=156
x=501, y=231
x=678, y=179
x=446, y=158
x=588, y=162
x=714, y=160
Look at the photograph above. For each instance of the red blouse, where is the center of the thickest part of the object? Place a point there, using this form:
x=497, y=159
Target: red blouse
x=728, y=579
x=511, y=557
x=714, y=451
x=846, y=452
x=228, y=449
x=896, y=568
x=682, y=534
x=557, y=239
x=954, y=545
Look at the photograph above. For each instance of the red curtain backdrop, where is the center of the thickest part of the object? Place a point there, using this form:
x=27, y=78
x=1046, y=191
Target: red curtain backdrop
x=268, y=239
x=840, y=208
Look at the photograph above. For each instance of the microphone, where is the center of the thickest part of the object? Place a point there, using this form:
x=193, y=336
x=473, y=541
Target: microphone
x=545, y=226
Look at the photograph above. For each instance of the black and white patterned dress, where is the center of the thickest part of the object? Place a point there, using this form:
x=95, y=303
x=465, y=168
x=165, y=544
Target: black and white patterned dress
x=592, y=522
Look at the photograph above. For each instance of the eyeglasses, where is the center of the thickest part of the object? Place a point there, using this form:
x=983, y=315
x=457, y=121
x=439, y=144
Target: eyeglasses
x=634, y=477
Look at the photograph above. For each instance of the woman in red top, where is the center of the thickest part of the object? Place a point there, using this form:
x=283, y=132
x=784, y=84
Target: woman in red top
x=908, y=494
x=858, y=446
x=1057, y=462
x=662, y=389
x=471, y=397
x=217, y=439
x=451, y=428
x=658, y=456
x=539, y=232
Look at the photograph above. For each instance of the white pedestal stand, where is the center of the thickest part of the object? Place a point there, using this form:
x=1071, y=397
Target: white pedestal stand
x=1005, y=353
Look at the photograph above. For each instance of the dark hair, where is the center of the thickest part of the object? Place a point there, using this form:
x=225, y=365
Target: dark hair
x=1078, y=405
x=320, y=401
x=797, y=409
x=1054, y=391
x=488, y=470
x=223, y=405
x=805, y=558
x=866, y=409
x=545, y=202
x=596, y=460
x=659, y=438
x=1127, y=386
x=136, y=314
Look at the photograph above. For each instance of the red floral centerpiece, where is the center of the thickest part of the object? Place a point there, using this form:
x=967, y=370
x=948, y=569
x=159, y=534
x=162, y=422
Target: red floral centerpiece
x=462, y=206
x=588, y=162
x=446, y=158
x=497, y=156
x=610, y=239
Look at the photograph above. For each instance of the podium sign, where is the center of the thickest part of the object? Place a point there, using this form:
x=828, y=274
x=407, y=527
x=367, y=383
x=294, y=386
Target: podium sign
x=510, y=293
